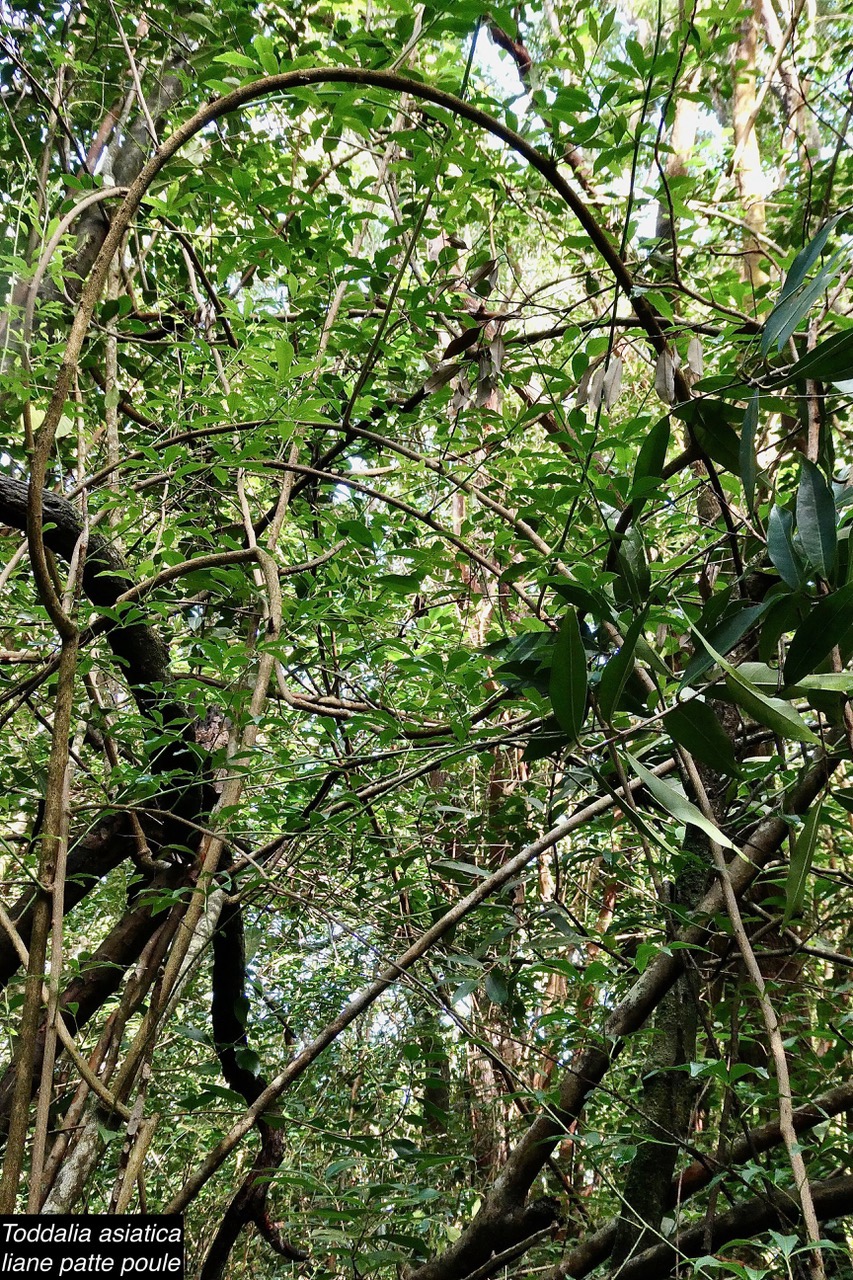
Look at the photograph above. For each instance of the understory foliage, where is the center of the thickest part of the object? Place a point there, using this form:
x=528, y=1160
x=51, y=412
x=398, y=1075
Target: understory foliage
x=427, y=617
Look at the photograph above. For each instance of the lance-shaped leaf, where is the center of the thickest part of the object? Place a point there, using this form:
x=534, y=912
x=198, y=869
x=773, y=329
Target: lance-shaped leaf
x=615, y=675
x=694, y=726
x=635, y=580
x=781, y=550
x=767, y=677
x=817, y=635
x=797, y=294
x=652, y=457
x=711, y=422
x=465, y=340
x=806, y=258
x=722, y=639
x=801, y=864
x=496, y=987
x=677, y=804
x=816, y=518
x=785, y=317
x=772, y=712
x=567, y=688
x=830, y=361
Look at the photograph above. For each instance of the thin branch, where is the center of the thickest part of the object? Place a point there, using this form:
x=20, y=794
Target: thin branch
x=771, y=1022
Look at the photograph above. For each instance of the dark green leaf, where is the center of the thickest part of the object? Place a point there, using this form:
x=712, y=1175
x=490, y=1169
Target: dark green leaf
x=634, y=577
x=780, y=547
x=496, y=987
x=615, y=675
x=547, y=741
x=805, y=259
x=830, y=361
x=772, y=712
x=816, y=518
x=711, y=423
x=694, y=726
x=844, y=798
x=817, y=635
x=568, y=686
x=723, y=638
x=650, y=461
x=785, y=614
x=795, y=306
x=801, y=864
x=677, y=804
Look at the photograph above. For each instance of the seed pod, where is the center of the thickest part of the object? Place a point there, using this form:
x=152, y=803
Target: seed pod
x=582, y=395
x=440, y=377
x=695, y=357
x=665, y=377
x=596, y=387
x=612, y=382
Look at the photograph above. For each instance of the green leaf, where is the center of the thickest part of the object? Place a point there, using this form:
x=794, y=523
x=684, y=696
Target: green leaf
x=801, y=863
x=650, y=462
x=748, y=463
x=806, y=258
x=635, y=579
x=358, y=531
x=816, y=518
x=795, y=305
x=265, y=50
x=710, y=420
x=817, y=635
x=825, y=682
x=678, y=805
x=722, y=639
x=568, y=685
x=781, y=550
x=247, y=1059
x=772, y=712
x=844, y=798
x=694, y=726
x=830, y=361
x=615, y=675
x=236, y=60
x=496, y=987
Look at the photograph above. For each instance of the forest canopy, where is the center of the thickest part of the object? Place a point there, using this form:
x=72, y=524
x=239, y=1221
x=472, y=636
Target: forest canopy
x=427, y=622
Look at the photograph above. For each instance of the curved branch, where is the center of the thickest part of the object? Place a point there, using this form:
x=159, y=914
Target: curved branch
x=288, y=81
x=140, y=651
x=229, y=1009
x=774, y=1207
x=594, y=1249
x=101, y=849
x=368, y=995
x=511, y=1187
